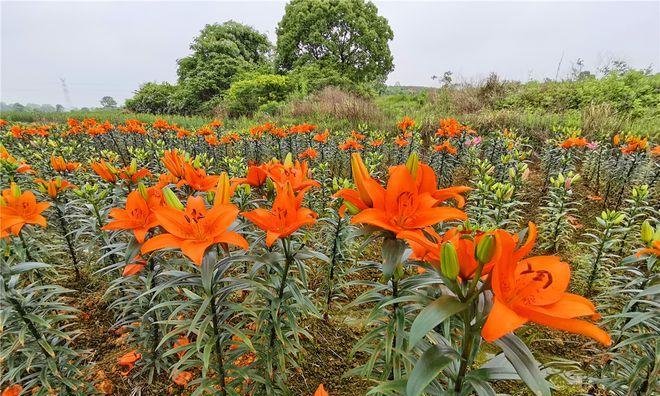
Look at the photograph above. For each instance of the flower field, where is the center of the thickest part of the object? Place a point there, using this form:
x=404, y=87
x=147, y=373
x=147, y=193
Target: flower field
x=144, y=258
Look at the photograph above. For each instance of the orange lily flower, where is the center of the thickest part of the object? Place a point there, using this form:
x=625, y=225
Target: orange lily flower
x=403, y=207
x=322, y=137
x=654, y=249
x=351, y=144
x=408, y=203
x=256, y=175
x=195, y=229
x=573, y=142
x=534, y=289
x=309, y=153
x=174, y=163
x=197, y=178
x=376, y=143
x=18, y=209
x=137, y=217
x=105, y=170
x=295, y=174
x=13, y=390
x=54, y=186
x=320, y=391
x=128, y=360
x=447, y=147
x=183, y=378
x=406, y=122
x=284, y=218
x=60, y=165
x=401, y=142
x=134, y=266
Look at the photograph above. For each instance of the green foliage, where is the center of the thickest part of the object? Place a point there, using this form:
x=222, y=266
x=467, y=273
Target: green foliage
x=248, y=94
x=312, y=77
x=347, y=36
x=220, y=52
x=152, y=98
x=37, y=340
x=630, y=92
x=556, y=228
x=631, y=365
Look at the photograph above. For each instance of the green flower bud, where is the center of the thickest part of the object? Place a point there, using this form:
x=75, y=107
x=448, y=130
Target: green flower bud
x=647, y=232
x=485, y=249
x=352, y=209
x=412, y=164
x=449, y=261
x=143, y=190
x=171, y=199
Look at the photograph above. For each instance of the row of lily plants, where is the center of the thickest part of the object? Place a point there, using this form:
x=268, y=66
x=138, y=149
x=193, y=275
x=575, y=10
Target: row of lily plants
x=208, y=264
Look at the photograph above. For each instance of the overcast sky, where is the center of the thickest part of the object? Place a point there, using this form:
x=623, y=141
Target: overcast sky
x=110, y=48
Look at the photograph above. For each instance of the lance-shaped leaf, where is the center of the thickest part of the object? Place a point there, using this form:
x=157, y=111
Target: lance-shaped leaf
x=434, y=314
x=432, y=362
x=525, y=364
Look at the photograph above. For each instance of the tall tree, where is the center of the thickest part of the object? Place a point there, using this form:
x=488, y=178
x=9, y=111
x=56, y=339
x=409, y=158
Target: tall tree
x=108, y=102
x=219, y=53
x=346, y=35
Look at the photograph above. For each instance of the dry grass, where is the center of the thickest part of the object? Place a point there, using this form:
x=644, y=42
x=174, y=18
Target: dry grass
x=336, y=103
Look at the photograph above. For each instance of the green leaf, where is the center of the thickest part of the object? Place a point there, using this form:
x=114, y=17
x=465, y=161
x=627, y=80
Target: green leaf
x=434, y=314
x=389, y=387
x=431, y=363
x=523, y=361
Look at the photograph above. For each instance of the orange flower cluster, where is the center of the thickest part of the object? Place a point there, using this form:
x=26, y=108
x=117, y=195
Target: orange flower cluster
x=450, y=127
x=23, y=133
x=351, y=144
x=53, y=187
x=133, y=126
x=405, y=124
x=573, y=142
x=634, y=145
x=162, y=125
x=445, y=147
x=60, y=165
x=88, y=126
x=256, y=132
x=302, y=128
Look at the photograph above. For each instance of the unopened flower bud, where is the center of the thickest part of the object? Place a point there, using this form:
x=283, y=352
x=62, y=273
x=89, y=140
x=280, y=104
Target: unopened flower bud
x=412, y=164
x=485, y=249
x=352, y=209
x=647, y=232
x=15, y=190
x=143, y=190
x=449, y=261
x=171, y=199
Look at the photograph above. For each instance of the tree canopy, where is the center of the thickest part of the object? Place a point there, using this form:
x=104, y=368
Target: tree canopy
x=219, y=53
x=346, y=35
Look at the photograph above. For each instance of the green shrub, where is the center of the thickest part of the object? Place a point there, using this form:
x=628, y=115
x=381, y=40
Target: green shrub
x=153, y=98
x=246, y=95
